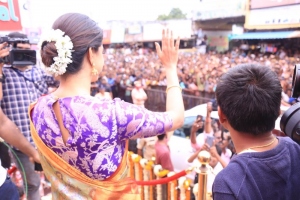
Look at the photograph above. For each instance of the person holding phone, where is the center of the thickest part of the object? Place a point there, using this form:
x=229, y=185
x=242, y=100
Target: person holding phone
x=198, y=142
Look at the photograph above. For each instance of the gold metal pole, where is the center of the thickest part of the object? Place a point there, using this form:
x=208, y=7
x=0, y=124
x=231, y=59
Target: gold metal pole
x=187, y=188
x=204, y=158
x=138, y=172
x=131, y=165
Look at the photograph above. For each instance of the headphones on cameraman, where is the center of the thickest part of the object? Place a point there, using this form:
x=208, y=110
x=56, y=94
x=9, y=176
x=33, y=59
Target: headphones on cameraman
x=290, y=120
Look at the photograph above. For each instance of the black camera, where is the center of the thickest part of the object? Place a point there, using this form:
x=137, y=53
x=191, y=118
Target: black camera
x=290, y=120
x=18, y=57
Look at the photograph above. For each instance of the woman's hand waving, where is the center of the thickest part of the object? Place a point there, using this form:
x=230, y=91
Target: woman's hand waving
x=168, y=53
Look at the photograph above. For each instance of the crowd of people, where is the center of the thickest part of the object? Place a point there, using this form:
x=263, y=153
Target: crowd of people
x=198, y=73
x=82, y=140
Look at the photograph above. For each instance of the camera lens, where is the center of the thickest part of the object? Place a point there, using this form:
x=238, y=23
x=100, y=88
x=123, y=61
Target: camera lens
x=296, y=82
x=19, y=56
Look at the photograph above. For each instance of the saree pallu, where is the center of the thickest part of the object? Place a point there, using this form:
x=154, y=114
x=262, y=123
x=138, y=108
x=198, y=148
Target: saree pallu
x=69, y=183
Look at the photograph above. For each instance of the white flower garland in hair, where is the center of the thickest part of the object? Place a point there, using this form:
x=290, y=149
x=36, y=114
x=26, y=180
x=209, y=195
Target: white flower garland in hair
x=64, y=48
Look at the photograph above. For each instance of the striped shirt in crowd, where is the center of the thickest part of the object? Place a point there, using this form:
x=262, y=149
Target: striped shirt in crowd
x=20, y=88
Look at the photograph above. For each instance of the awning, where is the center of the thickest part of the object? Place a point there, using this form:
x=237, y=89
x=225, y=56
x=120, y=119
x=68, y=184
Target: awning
x=266, y=35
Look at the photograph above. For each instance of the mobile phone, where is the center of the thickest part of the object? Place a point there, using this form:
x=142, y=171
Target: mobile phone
x=210, y=140
x=38, y=167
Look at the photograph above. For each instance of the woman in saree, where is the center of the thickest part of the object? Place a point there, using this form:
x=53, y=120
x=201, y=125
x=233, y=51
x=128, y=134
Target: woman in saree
x=82, y=139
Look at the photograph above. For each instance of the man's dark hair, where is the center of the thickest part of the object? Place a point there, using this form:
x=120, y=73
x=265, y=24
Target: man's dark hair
x=250, y=95
x=161, y=137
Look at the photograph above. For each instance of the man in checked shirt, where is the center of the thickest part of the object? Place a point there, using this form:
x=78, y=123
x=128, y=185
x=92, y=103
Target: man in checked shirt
x=22, y=85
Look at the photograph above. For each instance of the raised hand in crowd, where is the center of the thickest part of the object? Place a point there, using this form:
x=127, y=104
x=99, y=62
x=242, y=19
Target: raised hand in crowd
x=195, y=155
x=214, y=153
x=198, y=124
x=208, y=127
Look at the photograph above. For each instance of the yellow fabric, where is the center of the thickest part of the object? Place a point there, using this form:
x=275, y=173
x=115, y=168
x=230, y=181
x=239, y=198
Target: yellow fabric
x=69, y=183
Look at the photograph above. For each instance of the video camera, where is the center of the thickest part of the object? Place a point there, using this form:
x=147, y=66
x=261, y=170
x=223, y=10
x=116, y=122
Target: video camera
x=290, y=120
x=18, y=57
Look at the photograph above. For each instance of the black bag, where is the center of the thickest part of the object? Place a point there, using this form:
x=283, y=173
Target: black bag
x=4, y=156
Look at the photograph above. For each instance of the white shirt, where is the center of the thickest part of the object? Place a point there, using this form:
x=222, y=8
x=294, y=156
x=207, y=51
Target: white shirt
x=139, y=96
x=3, y=174
x=212, y=175
x=226, y=156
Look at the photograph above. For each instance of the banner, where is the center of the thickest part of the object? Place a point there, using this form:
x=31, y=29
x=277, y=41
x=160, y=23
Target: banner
x=274, y=18
x=271, y=3
x=117, y=34
x=218, y=40
x=106, y=36
x=133, y=38
x=181, y=28
x=214, y=9
x=134, y=29
x=10, y=18
x=33, y=34
x=152, y=31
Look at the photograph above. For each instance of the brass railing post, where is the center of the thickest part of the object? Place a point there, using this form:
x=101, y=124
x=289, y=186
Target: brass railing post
x=204, y=158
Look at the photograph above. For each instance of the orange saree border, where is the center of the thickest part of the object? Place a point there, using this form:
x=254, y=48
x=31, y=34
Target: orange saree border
x=118, y=186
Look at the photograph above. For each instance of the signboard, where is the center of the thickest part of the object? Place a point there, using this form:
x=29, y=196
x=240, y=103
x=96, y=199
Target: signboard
x=152, y=31
x=117, y=34
x=133, y=38
x=181, y=28
x=218, y=39
x=106, y=36
x=271, y=3
x=214, y=9
x=134, y=29
x=33, y=34
x=274, y=18
x=10, y=19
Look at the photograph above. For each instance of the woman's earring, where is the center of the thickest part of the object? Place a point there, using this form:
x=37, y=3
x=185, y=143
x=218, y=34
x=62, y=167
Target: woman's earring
x=95, y=72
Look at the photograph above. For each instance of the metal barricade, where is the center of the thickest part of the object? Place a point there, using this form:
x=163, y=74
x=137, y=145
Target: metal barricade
x=181, y=188
x=157, y=100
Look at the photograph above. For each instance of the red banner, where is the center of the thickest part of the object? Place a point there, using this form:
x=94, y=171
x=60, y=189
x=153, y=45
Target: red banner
x=10, y=18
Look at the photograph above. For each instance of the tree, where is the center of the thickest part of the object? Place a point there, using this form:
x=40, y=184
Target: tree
x=175, y=13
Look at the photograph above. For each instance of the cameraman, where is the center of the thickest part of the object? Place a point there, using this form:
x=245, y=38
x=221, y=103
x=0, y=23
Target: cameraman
x=22, y=85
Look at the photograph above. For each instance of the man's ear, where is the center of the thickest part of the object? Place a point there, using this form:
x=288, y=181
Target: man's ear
x=222, y=117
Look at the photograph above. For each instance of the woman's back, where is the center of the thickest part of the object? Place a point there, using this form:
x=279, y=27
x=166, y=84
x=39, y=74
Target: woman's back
x=97, y=130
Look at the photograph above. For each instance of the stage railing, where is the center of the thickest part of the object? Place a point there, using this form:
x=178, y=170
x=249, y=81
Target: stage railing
x=156, y=183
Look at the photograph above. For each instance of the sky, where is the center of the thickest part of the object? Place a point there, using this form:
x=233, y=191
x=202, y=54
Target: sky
x=44, y=12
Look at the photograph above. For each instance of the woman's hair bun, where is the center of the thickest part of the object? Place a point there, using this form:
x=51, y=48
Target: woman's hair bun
x=48, y=52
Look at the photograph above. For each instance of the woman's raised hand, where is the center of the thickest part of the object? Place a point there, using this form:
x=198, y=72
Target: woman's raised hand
x=168, y=53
